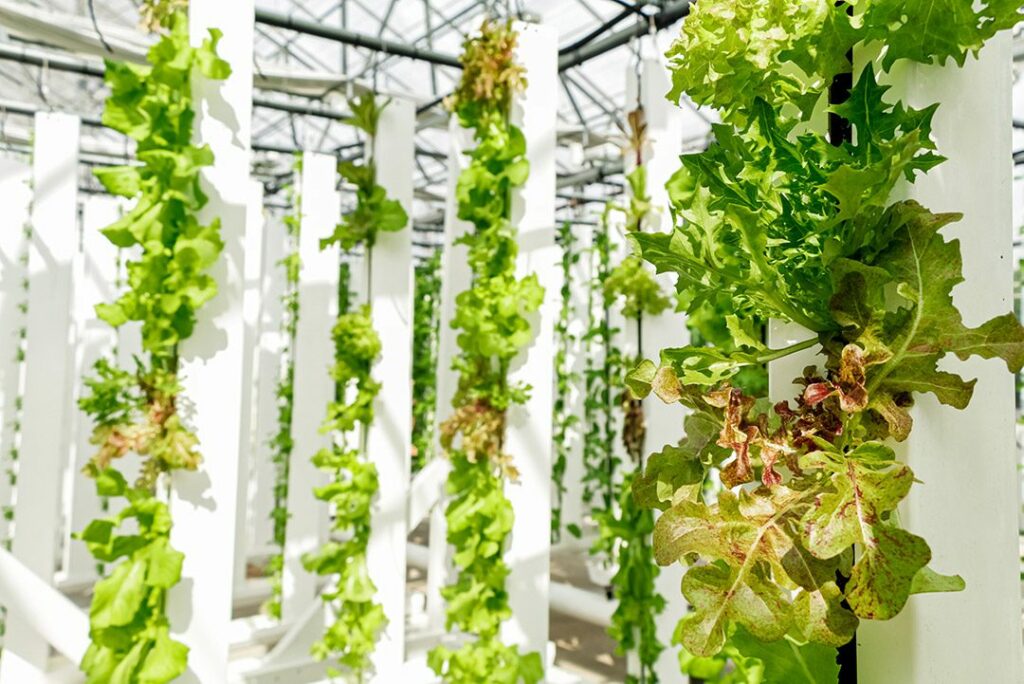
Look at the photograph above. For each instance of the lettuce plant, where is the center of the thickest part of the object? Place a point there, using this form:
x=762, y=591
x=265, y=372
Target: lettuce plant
x=137, y=410
x=788, y=226
x=358, y=619
x=493, y=324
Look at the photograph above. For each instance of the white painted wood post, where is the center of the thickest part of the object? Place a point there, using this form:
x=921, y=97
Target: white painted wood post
x=16, y=199
x=530, y=426
x=967, y=505
x=94, y=276
x=48, y=381
x=252, y=302
x=455, y=278
x=314, y=387
x=204, y=503
x=389, y=438
x=664, y=421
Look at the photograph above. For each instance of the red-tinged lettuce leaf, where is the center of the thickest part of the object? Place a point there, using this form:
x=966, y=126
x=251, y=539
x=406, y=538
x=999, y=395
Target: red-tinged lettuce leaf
x=865, y=485
x=720, y=596
x=883, y=575
x=906, y=343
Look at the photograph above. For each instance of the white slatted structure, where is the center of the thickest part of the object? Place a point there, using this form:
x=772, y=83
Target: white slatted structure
x=48, y=381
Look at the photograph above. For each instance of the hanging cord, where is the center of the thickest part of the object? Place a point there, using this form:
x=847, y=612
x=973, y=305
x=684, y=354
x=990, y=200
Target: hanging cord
x=96, y=27
x=41, y=87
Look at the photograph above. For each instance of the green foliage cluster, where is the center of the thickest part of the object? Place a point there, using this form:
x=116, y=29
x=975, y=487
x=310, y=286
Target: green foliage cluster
x=425, y=330
x=789, y=225
x=352, y=637
x=492, y=320
x=358, y=619
x=564, y=418
x=281, y=444
x=136, y=411
x=375, y=212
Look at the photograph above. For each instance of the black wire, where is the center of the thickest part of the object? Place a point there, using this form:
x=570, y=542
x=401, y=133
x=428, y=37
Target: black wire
x=598, y=31
x=632, y=8
x=96, y=27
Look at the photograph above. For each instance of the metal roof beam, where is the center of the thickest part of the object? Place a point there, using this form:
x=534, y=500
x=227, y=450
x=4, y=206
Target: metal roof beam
x=346, y=37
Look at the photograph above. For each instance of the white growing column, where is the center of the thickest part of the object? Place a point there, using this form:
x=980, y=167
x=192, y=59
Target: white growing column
x=664, y=421
x=260, y=530
x=576, y=360
x=95, y=274
x=204, y=503
x=314, y=387
x=251, y=305
x=48, y=381
x=389, y=438
x=967, y=505
x=530, y=426
x=455, y=278
x=16, y=199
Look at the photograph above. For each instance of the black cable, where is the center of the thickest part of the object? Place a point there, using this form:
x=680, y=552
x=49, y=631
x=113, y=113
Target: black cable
x=96, y=27
x=630, y=7
x=598, y=31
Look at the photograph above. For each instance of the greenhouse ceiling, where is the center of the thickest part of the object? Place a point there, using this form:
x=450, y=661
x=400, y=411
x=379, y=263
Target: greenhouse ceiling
x=52, y=51
x=43, y=42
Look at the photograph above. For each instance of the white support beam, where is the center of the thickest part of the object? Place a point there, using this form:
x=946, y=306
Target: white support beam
x=664, y=421
x=530, y=426
x=16, y=199
x=95, y=273
x=204, y=503
x=48, y=382
x=968, y=503
x=313, y=387
x=389, y=438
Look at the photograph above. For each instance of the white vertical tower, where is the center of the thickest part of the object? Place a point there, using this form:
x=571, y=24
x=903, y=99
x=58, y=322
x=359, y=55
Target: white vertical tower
x=94, y=275
x=313, y=386
x=968, y=503
x=16, y=198
x=204, y=502
x=48, y=383
x=251, y=305
x=389, y=439
x=268, y=358
x=647, y=86
x=530, y=426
